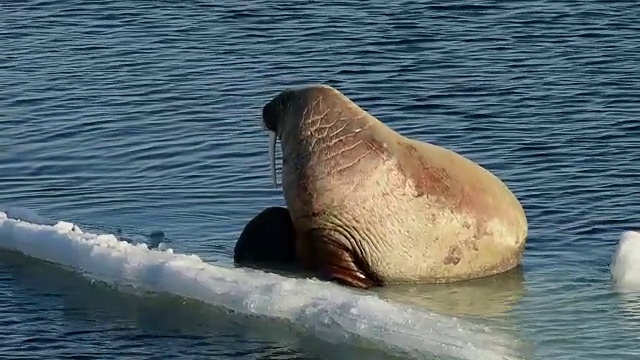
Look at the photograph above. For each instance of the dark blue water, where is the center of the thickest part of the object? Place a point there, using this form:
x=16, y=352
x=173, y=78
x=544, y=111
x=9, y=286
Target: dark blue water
x=144, y=115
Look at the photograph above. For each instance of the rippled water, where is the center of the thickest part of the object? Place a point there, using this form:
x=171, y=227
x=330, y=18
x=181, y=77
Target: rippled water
x=145, y=115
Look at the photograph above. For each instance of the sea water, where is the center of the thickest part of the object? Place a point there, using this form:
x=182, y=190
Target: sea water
x=131, y=117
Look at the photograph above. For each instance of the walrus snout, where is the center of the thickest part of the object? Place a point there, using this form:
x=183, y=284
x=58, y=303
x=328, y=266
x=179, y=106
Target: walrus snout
x=274, y=109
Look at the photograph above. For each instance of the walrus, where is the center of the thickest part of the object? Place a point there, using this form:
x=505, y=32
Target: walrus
x=372, y=207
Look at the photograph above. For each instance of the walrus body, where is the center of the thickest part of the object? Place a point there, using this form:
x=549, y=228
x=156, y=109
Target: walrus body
x=372, y=207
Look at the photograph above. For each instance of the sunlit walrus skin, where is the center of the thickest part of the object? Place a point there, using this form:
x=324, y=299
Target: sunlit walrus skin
x=372, y=207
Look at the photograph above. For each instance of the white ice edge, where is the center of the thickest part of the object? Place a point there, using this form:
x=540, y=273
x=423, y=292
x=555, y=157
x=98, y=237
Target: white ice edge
x=331, y=311
x=625, y=264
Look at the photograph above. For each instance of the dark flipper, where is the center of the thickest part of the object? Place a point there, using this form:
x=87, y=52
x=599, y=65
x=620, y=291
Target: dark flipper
x=268, y=239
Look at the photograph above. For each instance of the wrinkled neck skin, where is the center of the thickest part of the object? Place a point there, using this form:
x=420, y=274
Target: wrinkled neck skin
x=319, y=142
x=308, y=133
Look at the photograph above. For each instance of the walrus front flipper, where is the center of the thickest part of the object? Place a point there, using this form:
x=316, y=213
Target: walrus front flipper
x=334, y=262
x=345, y=276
